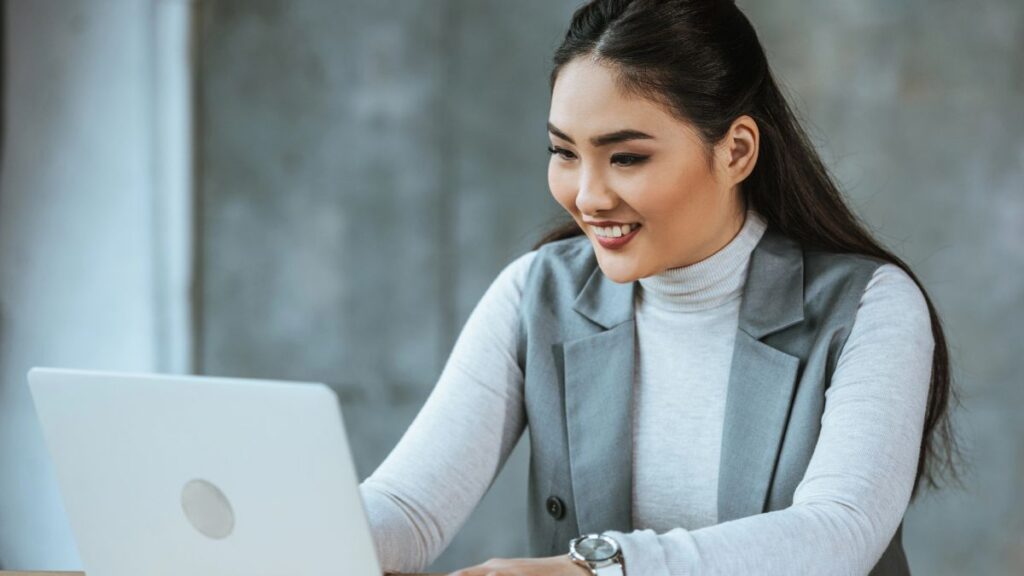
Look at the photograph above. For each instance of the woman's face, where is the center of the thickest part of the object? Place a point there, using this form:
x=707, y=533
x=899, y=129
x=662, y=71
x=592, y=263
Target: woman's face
x=625, y=159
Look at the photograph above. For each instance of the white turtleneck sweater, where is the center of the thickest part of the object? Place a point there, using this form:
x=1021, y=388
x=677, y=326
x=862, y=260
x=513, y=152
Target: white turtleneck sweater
x=845, y=510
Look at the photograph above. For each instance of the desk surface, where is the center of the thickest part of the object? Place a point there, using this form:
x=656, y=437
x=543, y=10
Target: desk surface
x=2, y=573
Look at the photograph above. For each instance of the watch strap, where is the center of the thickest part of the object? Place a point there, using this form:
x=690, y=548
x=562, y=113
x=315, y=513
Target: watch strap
x=611, y=570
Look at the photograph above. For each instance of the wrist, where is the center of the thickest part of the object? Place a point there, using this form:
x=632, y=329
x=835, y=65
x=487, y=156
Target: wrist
x=579, y=569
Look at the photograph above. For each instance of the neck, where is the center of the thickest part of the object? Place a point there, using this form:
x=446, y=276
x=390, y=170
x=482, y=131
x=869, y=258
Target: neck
x=711, y=281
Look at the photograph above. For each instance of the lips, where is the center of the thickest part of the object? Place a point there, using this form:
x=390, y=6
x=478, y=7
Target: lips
x=619, y=242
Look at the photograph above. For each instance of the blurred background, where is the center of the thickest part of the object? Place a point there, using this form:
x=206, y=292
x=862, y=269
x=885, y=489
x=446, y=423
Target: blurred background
x=323, y=190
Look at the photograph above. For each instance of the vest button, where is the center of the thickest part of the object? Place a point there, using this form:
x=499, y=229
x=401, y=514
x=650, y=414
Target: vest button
x=555, y=507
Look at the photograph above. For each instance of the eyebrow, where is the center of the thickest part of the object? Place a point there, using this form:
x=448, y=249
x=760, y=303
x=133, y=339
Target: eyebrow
x=604, y=139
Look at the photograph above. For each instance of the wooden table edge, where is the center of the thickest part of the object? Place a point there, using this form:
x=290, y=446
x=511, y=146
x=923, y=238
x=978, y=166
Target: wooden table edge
x=6, y=573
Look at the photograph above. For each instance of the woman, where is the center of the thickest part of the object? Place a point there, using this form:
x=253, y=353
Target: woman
x=722, y=372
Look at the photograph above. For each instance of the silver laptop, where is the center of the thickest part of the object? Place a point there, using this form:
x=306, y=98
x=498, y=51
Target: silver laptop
x=203, y=476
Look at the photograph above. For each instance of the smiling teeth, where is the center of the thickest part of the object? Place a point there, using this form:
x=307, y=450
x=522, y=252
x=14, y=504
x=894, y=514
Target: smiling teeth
x=615, y=231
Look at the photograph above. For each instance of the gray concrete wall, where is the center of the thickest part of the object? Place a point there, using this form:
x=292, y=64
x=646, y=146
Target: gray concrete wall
x=367, y=167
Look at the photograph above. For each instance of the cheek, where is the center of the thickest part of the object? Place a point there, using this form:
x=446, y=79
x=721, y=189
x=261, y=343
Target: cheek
x=673, y=194
x=562, y=187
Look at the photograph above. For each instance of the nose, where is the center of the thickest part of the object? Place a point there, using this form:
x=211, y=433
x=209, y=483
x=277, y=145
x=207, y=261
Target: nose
x=593, y=195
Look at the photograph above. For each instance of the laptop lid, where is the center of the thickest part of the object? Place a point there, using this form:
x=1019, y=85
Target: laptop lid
x=200, y=475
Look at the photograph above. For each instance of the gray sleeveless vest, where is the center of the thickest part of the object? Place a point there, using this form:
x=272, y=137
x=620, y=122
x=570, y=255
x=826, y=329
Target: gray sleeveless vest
x=576, y=350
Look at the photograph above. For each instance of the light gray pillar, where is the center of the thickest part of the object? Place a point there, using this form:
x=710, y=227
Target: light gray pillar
x=94, y=220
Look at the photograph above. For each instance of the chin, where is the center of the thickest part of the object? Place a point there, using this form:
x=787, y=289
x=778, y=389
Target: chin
x=618, y=274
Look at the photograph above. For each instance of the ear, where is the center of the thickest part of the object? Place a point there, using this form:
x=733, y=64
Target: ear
x=737, y=150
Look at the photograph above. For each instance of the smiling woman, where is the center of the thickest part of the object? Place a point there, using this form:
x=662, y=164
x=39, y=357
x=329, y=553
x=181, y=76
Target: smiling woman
x=722, y=372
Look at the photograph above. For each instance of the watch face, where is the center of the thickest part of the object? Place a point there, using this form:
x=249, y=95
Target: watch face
x=596, y=549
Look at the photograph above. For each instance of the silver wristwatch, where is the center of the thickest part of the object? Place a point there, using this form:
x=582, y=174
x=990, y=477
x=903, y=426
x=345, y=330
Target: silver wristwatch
x=597, y=553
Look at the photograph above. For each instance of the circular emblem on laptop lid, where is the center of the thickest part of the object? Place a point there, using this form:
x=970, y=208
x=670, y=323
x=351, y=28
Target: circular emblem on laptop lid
x=207, y=509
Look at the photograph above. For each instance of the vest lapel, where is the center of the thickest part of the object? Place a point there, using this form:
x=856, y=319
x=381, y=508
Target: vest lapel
x=599, y=383
x=598, y=406
x=762, y=378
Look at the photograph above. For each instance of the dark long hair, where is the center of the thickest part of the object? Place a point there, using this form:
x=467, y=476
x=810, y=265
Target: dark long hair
x=703, y=61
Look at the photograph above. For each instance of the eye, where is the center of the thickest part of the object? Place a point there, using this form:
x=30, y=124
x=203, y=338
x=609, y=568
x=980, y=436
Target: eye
x=565, y=154
x=628, y=159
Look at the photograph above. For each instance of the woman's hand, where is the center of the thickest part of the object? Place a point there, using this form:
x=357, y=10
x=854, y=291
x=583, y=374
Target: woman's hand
x=550, y=566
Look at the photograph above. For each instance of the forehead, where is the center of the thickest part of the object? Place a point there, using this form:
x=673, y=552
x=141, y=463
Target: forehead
x=586, y=100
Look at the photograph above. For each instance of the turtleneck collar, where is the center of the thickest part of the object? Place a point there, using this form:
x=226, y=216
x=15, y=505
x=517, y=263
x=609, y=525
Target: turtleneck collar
x=717, y=279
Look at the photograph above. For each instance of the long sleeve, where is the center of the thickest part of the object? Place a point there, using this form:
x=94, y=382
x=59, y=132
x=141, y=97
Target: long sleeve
x=857, y=485
x=426, y=488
